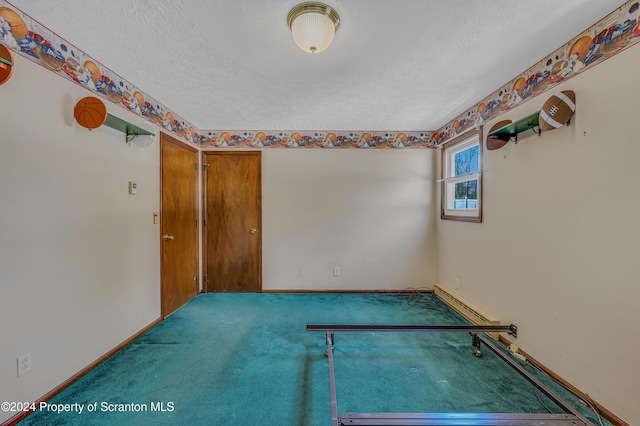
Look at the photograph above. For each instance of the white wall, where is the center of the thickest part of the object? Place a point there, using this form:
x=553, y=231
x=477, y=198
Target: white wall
x=558, y=251
x=79, y=257
x=368, y=212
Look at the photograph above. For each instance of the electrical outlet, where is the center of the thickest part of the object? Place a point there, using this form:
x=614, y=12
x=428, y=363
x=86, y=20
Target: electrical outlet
x=336, y=271
x=24, y=363
x=457, y=284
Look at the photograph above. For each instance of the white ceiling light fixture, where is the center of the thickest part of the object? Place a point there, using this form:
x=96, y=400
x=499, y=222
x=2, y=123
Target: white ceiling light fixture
x=313, y=26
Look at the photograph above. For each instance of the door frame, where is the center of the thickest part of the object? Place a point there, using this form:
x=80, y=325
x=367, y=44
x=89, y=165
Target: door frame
x=204, y=167
x=166, y=138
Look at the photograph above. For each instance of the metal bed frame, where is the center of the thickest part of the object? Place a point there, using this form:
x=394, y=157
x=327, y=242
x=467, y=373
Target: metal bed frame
x=570, y=417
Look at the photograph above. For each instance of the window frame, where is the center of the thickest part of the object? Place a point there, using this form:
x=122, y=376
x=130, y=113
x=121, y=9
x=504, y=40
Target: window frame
x=449, y=149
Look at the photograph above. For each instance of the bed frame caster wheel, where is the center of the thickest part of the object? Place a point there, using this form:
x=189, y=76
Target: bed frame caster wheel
x=476, y=342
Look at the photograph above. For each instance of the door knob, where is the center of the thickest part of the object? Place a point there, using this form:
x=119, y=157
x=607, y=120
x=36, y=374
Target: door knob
x=253, y=231
x=167, y=237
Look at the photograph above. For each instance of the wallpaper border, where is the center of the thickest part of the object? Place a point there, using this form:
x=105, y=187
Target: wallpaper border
x=614, y=33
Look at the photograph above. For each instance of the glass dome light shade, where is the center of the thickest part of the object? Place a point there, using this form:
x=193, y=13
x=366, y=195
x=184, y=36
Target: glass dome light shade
x=313, y=26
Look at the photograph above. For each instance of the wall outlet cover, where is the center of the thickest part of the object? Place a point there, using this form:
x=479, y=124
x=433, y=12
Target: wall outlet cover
x=24, y=363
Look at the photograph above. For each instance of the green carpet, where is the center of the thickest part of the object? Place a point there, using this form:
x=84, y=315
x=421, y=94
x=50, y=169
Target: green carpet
x=247, y=359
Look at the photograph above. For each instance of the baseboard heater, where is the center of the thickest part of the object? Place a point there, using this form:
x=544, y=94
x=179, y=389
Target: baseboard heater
x=468, y=310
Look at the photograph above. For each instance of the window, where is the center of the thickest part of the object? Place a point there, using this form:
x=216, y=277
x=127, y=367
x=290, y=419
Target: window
x=462, y=178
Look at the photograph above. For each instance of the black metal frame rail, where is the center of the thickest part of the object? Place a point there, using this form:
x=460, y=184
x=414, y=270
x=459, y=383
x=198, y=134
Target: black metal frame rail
x=571, y=416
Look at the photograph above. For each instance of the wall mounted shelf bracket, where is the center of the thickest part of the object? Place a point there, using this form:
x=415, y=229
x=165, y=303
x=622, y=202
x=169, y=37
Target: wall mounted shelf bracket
x=130, y=130
x=510, y=131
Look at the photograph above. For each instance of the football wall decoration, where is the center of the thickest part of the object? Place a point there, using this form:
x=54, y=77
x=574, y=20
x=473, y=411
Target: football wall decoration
x=557, y=110
x=497, y=141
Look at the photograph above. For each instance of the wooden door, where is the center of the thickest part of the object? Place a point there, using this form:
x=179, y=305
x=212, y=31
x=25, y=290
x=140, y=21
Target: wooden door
x=179, y=223
x=233, y=219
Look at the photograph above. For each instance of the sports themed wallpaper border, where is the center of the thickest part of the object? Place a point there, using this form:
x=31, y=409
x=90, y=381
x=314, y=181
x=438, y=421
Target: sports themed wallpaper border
x=18, y=31
x=319, y=139
x=612, y=34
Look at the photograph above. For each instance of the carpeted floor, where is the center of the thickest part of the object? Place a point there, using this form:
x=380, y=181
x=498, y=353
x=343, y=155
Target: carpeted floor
x=247, y=359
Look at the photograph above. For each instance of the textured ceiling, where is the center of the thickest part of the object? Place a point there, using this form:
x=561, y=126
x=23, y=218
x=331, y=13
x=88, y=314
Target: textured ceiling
x=394, y=65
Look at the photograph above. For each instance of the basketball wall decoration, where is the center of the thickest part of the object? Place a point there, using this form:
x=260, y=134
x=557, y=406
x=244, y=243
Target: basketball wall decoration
x=557, y=110
x=6, y=64
x=90, y=112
